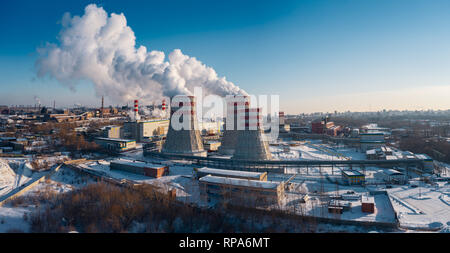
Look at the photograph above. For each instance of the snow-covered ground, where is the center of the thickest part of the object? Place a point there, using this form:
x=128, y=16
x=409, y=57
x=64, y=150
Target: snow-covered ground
x=15, y=173
x=422, y=207
x=180, y=178
x=314, y=150
x=12, y=219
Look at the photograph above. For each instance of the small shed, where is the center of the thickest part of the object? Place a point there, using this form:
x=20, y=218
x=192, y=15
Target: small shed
x=368, y=204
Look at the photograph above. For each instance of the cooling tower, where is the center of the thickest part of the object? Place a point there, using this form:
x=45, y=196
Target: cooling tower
x=230, y=133
x=251, y=144
x=183, y=136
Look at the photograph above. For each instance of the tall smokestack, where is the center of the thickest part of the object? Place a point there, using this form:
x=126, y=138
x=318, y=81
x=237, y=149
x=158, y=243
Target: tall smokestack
x=186, y=140
x=136, y=110
x=251, y=144
x=163, y=107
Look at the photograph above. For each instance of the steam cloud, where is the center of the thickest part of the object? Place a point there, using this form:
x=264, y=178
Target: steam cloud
x=102, y=49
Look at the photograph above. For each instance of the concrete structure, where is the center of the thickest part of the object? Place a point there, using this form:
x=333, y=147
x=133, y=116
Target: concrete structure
x=116, y=145
x=352, y=177
x=393, y=176
x=251, y=144
x=259, y=176
x=344, y=204
x=111, y=132
x=371, y=140
x=186, y=138
x=230, y=133
x=211, y=146
x=145, y=129
x=321, y=126
x=241, y=191
x=138, y=167
x=428, y=164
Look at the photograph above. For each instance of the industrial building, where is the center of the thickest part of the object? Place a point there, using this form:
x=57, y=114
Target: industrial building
x=211, y=146
x=115, y=145
x=394, y=176
x=111, y=132
x=367, y=204
x=321, y=126
x=258, y=176
x=339, y=206
x=428, y=164
x=353, y=177
x=371, y=140
x=241, y=191
x=138, y=167
x=184, y=141
x=142, y=130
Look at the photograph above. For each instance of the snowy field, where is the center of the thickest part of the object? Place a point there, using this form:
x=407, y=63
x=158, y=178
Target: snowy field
x=422, y=207
x=180, y=178
x=314, y=150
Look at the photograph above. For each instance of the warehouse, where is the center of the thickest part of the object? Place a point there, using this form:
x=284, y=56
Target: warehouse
x=394, y=176
x=138, y=167
x=141, y=130
x=352, y=177
x=116, y=145
x=258, y=176
x=241, y=191
x=371, y=140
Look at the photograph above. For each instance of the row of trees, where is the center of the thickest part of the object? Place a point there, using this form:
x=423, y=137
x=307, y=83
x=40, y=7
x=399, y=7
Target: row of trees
x=439, y=150
x=105, y=208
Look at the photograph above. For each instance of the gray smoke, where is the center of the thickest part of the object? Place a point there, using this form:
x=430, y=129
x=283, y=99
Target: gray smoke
x=101, y=48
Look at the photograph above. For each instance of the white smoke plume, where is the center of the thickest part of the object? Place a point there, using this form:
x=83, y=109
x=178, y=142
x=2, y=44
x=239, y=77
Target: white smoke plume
x=102, y=48
x=38, y=101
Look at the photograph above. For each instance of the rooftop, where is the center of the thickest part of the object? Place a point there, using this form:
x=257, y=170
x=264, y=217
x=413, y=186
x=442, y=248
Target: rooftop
x=230, y=172
x=352, y=173
x=240, y=182
x=136, y=163
x=114, y=139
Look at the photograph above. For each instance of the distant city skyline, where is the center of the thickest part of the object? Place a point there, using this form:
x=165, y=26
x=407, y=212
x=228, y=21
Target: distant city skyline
x=319, y=56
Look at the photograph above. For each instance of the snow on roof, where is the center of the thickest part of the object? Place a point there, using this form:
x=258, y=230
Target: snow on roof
x=392, y=172
x=367, y=199
x=239, y=182
x=136, y=163
x=373, y=133
x=352, y=173
x=424, y=157
x=230, y=172
x=114, y=139
x=391, y=157
x=371, y=152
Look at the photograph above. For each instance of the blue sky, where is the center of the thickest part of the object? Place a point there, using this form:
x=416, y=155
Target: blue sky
x=317, y=55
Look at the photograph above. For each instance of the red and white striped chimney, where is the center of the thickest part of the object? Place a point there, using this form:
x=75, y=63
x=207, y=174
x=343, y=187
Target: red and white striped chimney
x=136, y=110
x=164, y=105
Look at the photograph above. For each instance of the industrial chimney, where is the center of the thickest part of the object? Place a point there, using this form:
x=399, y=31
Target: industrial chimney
x=136, y=110
x=163, y=107
x=183, y=136
x=251, y=144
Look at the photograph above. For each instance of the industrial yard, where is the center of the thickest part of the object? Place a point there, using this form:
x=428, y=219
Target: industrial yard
x=225, y=125
x=322, y=192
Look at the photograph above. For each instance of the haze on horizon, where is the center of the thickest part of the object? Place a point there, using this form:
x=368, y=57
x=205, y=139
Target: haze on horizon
x=319, y=56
